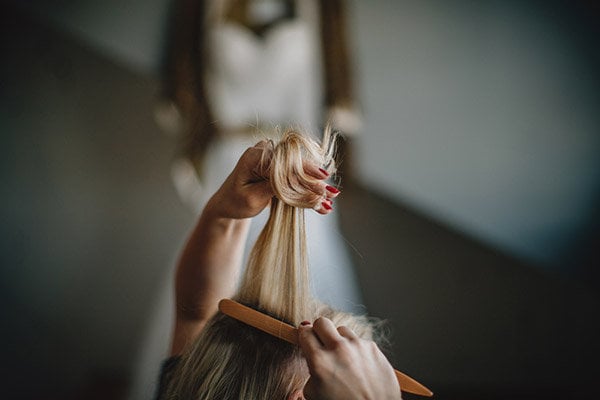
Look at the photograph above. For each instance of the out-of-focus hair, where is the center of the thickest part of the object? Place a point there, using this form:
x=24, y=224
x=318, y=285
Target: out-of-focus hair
x=230, y=360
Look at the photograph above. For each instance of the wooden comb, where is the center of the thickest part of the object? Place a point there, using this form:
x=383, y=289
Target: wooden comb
x=289, y=333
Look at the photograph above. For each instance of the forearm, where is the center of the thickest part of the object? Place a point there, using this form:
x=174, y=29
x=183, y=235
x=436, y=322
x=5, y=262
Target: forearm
x=210, y=263
x=211, y=260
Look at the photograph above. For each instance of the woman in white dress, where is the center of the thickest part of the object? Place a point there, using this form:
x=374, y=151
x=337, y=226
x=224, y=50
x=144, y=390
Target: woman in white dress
x=235, y=71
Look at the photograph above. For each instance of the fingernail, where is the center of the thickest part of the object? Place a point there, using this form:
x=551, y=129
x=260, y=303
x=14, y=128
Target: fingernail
x=332, y=189
x=324, y=172
x=304, y=323
x=326, y=206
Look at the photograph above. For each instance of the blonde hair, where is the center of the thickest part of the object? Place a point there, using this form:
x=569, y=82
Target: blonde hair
x=230, y=360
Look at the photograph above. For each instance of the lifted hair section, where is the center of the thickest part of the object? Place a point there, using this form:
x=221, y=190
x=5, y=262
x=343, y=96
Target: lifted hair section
x=233, y=361
x=277, y=276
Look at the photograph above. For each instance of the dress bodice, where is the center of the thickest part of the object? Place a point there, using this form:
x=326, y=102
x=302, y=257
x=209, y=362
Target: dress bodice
x=273, y=80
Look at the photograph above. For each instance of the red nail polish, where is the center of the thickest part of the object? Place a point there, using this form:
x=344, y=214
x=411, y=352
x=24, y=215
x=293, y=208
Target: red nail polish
x=332, y=189
x=324, y=172
x=304, y=323
x=326, y=206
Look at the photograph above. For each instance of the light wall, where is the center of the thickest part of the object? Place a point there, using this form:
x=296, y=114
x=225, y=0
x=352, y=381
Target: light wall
x=484, y=116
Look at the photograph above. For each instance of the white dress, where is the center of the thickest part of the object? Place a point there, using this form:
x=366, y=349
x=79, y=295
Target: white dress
x=264, y=82
x=274, y=81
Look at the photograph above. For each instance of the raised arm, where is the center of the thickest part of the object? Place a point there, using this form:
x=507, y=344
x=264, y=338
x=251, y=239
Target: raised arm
x=209, y=265
x=211, y=260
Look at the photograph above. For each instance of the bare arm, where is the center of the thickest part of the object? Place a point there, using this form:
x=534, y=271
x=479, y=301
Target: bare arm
x=206, y=273
x=210, y=263
x=211, y=260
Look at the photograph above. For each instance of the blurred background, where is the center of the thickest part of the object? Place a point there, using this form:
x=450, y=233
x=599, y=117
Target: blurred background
x=474, y=227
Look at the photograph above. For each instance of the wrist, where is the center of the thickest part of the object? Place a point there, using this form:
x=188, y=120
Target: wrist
x=215, y=214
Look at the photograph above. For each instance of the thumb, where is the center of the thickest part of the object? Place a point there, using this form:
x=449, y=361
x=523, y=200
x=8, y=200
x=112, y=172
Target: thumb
x=309, y=343
x=311, y=346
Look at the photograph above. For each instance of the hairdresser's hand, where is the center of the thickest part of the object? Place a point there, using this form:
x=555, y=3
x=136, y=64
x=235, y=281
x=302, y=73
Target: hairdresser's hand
x=247, y=190
x=343, y=366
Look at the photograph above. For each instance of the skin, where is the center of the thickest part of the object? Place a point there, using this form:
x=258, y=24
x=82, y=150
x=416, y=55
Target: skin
x=344, y=366
x=341, y=365
x=209, y=266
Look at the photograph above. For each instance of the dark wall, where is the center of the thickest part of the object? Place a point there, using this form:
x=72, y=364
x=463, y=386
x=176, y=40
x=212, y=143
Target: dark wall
x=470, y=321
x=90, y=223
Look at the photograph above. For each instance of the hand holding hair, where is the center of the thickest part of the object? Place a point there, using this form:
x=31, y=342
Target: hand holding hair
x=248, y=189
x=290, y=177
x=344, y=366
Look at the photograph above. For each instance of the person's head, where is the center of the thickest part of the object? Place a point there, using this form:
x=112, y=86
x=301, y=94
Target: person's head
x=230, y=360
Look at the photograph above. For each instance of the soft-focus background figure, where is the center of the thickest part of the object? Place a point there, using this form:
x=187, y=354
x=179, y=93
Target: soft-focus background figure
x=237, y=70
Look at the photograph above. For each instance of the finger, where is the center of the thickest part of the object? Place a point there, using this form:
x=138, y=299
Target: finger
x=264, y=189
x=258, y=159
x=331, y=191
x=347, y=333
x=314, y=170
x=322, y=189
x=266, y=148
x=265, y=144
x=327, y=332
x=317, y=187
x=261, y=144
x=324, y=207
x=252, y=155
x=308, y=341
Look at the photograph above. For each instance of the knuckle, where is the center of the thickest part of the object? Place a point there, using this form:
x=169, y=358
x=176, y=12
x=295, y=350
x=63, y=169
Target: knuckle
x=347, y=333
x=372, y=346
x=310, y=353
x=319, y=322
x=339, y=344
x=365, y=345
x=250, y=152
